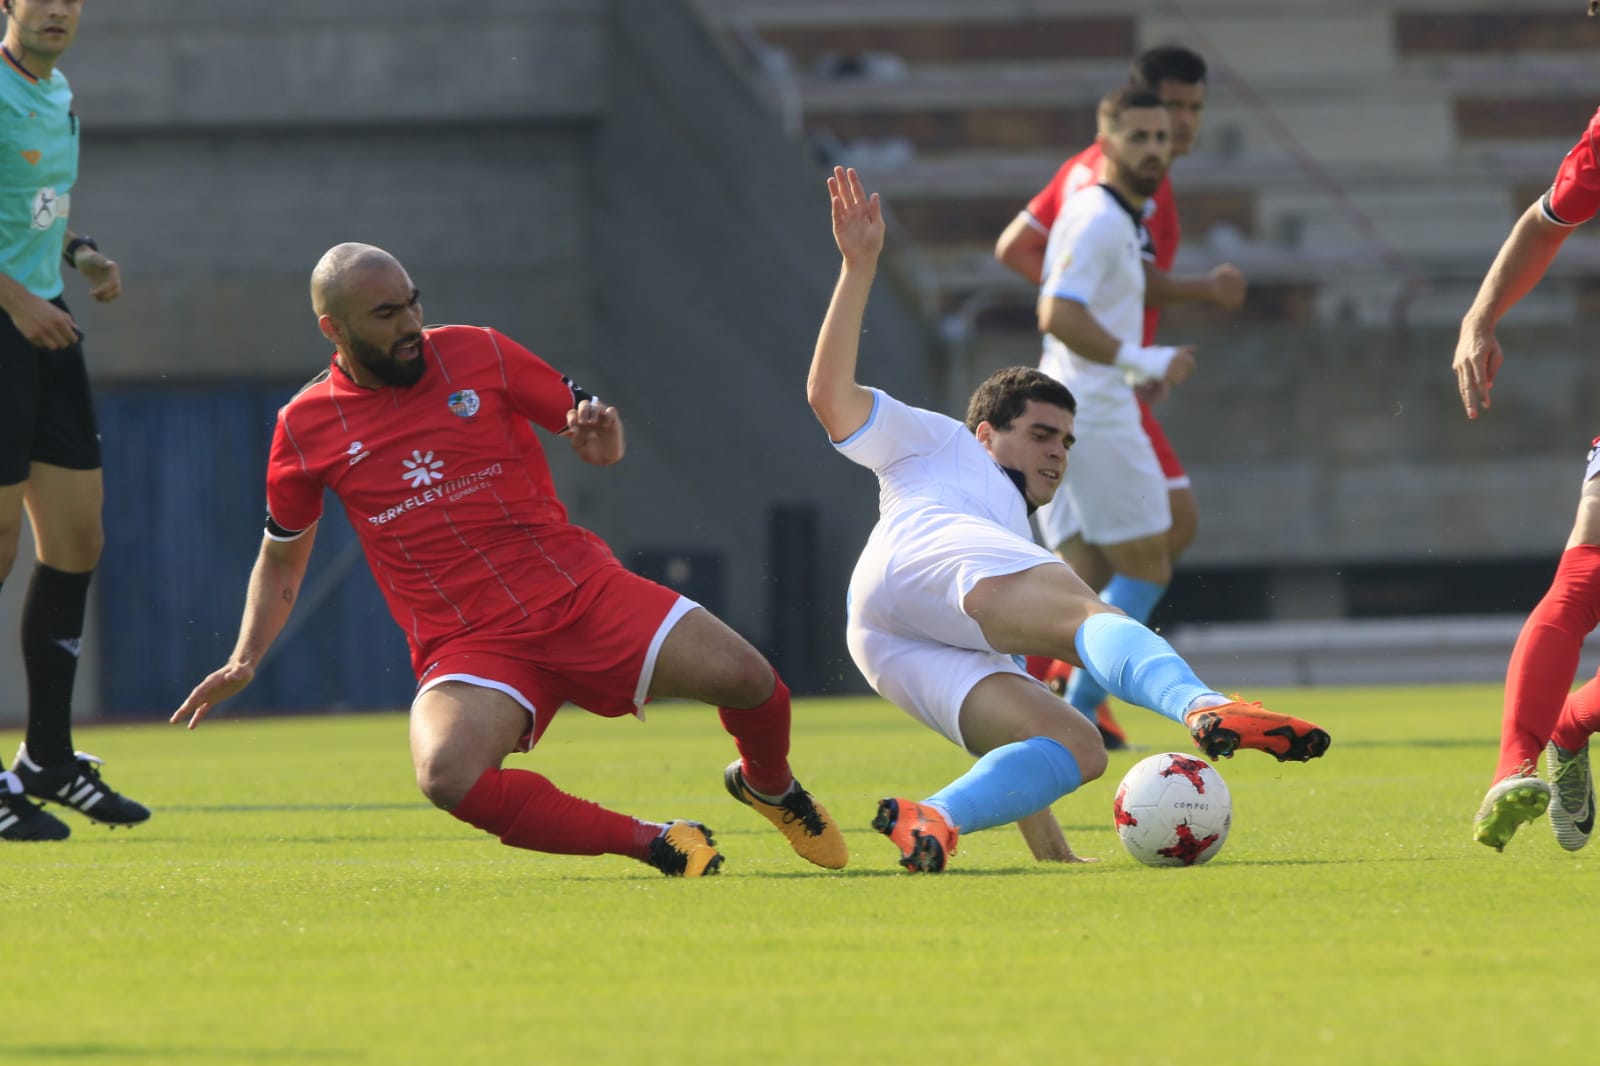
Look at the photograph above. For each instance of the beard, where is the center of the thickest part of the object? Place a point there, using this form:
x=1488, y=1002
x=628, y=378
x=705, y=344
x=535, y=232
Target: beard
x=1143, y=183
x=384, y=365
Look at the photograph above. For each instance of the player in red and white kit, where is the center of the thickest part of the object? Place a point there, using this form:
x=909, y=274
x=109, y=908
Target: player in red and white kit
x=510, y=610
x=1540, y=711
x=1178, y=76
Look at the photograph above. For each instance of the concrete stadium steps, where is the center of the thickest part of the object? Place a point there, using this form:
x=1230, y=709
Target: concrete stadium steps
x=1403, y=145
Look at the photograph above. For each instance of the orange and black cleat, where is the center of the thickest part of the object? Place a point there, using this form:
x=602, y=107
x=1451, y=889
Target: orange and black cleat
x=1221, y=730
x=925, y=839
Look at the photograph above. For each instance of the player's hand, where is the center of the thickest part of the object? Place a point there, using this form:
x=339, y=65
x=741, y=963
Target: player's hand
x=596, y=433
x=1152, y=391
x=1228, y=287
x=1181, y=367
x=857, y=218
x=101, y=272
x=43, y=324
x=1478, y=359
x=221, y=684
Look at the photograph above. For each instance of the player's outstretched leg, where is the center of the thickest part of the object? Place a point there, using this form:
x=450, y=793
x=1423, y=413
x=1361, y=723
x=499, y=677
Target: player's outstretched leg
x=1519, y=797
x=685, y=849
x=76, y=783
x=926, y=839
x=1138, y=666
x=807, y=825
x=1572, y=799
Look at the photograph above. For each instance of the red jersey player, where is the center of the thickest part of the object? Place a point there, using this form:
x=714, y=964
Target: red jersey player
x=1178, y=76
x=1540, y=712
x=510, y=610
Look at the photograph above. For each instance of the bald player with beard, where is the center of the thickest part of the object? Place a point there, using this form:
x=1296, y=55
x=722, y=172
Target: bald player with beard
x=426, y=436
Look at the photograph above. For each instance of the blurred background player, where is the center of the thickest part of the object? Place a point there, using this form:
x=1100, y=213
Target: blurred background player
x=49, y=441
x=1091, y=306
x=950, y=589
x=511, y=611
x=1178, y=77
x=1541, y=714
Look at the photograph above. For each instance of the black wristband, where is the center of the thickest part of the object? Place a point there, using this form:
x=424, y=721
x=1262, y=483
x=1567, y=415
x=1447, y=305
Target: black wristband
x=70, y=252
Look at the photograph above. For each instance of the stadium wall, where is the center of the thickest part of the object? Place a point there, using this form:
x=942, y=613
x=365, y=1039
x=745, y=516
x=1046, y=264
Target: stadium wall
x=604, y=186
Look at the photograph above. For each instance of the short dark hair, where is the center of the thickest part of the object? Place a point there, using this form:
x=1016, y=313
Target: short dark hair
x=1167, y=62
x=1127, y=98
x=1000, y=400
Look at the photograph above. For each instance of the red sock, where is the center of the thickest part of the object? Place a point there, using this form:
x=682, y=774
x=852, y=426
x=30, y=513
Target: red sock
x=1580, y=717
x=525, y=810
x=762, y=736
x=1546, y=658
x=1038, y=667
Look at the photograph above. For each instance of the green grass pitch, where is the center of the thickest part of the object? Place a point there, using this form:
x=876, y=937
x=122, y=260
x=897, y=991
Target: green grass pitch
x=294, y=900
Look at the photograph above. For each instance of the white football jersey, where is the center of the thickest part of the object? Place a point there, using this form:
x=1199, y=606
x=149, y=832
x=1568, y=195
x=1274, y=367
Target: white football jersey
x=928, y=462
x=1095, y=256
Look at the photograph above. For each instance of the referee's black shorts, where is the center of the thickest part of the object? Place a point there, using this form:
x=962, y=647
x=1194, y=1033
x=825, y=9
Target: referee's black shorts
x=46, y=411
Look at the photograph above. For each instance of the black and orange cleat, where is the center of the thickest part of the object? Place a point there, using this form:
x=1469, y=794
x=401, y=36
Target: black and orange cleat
x=1221, y=730
x=685, y=849
x=1111, y=732
x=925, y=839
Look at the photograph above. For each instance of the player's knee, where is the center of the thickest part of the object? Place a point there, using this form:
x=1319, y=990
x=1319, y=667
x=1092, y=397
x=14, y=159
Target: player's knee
x=77, y=552
x=446, y=781
x=750, y=682
x=1091, y=757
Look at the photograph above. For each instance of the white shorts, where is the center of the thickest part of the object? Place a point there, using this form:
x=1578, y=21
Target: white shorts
x=1114, y=490
x=908, y=631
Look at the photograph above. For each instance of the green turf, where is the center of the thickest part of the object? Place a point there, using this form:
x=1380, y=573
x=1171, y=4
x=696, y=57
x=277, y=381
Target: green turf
x=294, y=900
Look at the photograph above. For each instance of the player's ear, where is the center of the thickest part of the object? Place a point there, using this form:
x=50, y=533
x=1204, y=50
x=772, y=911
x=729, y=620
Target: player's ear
x=326, y=323
x=984, y=433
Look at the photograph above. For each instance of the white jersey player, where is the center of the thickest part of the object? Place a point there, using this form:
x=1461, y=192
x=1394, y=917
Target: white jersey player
x=950, y=587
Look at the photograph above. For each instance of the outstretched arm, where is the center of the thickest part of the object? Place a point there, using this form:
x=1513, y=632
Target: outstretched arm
x=840, y=404
x=1521, y=262
x=274, y=586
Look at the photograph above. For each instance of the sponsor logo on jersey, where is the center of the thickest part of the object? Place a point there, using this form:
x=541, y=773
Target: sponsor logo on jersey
x=456, y=488
x=357, y=452
x=463, y=404
x=422, y=469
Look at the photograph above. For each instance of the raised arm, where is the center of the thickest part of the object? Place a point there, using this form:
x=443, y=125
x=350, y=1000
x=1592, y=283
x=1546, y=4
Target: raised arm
x=840, y=404
x=274, y=586
x=1521, y=262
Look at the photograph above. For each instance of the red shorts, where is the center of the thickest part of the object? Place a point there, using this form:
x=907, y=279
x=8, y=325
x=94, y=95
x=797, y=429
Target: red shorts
x=1170, y=466
x=596, y=647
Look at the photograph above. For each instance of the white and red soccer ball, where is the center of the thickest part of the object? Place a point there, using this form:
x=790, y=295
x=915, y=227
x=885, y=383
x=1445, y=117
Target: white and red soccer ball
x=1173, y=810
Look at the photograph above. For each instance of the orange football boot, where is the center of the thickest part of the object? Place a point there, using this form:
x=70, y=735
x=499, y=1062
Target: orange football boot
x=925, y=839
x=1221, y=730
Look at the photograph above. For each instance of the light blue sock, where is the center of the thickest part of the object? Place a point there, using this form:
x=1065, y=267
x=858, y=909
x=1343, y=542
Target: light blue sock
x=1137, y=666
x=1010, y=782
x=1135, y=598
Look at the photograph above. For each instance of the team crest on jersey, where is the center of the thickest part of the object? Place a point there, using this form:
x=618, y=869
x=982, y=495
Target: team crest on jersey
x=464, y=403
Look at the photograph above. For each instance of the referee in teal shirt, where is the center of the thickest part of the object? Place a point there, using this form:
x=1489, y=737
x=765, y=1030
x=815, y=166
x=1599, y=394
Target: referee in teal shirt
x=49, y=444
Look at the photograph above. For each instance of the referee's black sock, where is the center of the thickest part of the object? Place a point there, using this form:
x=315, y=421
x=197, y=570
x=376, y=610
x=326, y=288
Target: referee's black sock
x=52, y=626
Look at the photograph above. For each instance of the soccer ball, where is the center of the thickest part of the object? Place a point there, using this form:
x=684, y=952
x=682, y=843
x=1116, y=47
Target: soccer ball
x=1173, y=810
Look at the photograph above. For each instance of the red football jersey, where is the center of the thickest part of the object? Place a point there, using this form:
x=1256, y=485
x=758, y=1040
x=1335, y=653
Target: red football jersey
x=444, y=481
x=1161, y=220
x=1575, y=196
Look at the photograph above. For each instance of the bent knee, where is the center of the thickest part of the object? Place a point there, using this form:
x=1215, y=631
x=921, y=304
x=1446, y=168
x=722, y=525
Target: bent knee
x=1092, y=759
x=447, y=781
